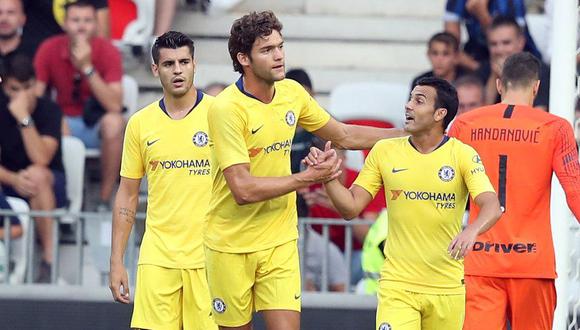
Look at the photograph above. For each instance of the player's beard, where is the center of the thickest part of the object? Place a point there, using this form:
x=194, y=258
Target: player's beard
x=11, y=35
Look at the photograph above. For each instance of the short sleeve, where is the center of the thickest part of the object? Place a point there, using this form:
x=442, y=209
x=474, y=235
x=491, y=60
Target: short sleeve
x=370, y=178
x=132, y=166
x=473, y=171
x=41, y=62
x=454, y=10
x=312, y=115
x=226, y=129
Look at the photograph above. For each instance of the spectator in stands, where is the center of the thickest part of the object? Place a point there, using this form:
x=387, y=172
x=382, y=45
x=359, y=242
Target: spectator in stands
x=31, y=158
x=86, y=71
x=477, y=15
x=470, y=93
x=12, y=20
x=215, y=88
x=506, y=38
x=15, y=226
x=443, y=53
x=314, y=243
x=315, y=246
x=302, y=139
x=320, y=206
x=46, y=18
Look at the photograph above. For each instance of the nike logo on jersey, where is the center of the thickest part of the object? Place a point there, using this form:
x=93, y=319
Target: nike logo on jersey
x=296, y=296
x=396, y=170
x=150, y=143
x=254, y=131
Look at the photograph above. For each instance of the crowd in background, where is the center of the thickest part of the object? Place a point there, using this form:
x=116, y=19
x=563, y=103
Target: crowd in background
x=62, y=75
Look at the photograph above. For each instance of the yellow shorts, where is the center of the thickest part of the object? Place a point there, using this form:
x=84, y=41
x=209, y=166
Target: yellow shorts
x=168, y=298
x=240, y=283
x=404, y=310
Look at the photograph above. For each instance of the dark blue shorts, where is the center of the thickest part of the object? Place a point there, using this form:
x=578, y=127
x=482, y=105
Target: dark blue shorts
x=5, y=206
x=59, y=188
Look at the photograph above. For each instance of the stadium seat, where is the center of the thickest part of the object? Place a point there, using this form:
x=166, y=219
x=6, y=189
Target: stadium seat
x=383, y=101
x=19, y=246
x=139, y=31
x=73, y=156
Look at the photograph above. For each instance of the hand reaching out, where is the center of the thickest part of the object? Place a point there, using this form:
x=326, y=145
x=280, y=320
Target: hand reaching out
x=323, y=166
x=462, y=243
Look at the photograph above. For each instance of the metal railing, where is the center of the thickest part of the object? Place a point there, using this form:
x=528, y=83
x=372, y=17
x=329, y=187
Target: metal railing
x=81, y=219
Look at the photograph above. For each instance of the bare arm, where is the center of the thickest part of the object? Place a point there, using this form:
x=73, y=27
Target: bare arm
x=40, y=149
x=7, y=177
x=344, y=136
x=489, y=213
x=247, y=188
x=454, y=28
x=109, y=95
x=465, y=60
x=479, y=10
x=103, y=23
x=123, y=219
x=40, y=88
x=348, y=202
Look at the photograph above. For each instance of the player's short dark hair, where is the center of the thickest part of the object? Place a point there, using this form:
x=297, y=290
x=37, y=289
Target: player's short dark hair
x=446, y=97
x=18, y=67
x=246, y=30
x=173, y=40
x=300, y=76
x=520, y=70
x=78, y=3
x=505, y=20
x=445, y=38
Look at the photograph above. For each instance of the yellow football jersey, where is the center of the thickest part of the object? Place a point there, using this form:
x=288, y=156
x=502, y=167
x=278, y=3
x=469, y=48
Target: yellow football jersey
x=245, y=130
x=426, y=196
x=175, y=156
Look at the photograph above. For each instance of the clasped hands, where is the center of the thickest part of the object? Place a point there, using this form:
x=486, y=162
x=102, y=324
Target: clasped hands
x=322, y=166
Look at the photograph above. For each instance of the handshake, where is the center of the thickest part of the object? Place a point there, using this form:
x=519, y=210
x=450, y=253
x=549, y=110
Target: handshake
x=321, y=166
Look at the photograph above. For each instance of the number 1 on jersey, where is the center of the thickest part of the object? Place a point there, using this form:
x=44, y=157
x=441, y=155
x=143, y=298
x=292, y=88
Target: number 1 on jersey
x=502, y=181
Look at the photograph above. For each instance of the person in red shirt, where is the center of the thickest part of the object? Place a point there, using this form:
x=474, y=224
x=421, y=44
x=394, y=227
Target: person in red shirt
x=86, y=71
x=510, y=272
x=320, y=206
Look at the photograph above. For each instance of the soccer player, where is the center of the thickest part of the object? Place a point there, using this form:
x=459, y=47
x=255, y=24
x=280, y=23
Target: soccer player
x=252, y=223
x=510, y=273
x=427, y=179
x=168, y=142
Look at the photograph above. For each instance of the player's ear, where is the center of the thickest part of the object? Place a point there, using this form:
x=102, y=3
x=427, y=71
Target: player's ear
x=243, y=58
x=498, y=85
x=536, y=87
x=440, y=114
x=155, y=69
